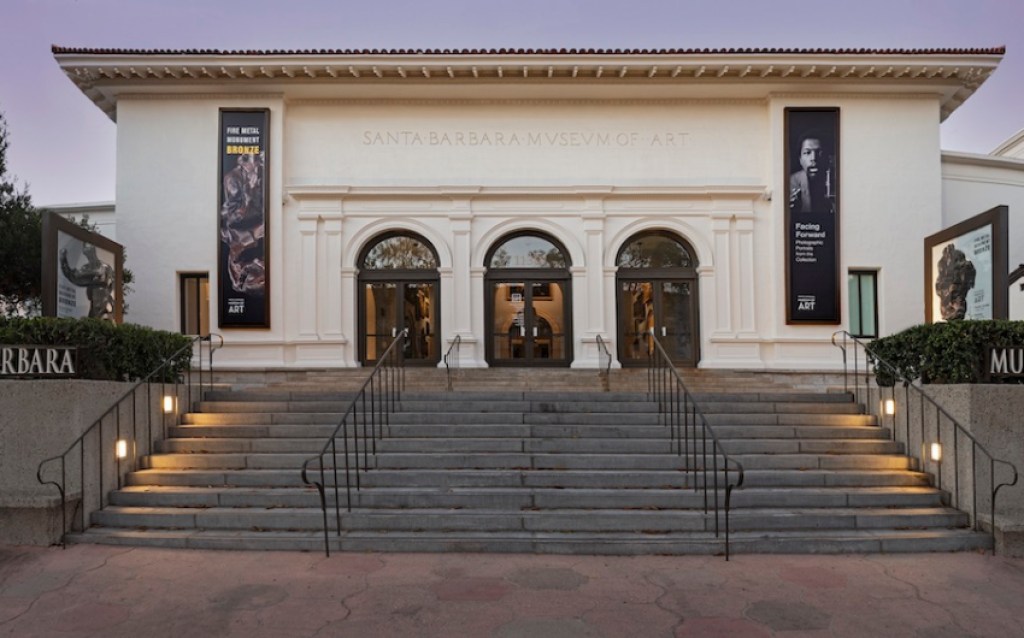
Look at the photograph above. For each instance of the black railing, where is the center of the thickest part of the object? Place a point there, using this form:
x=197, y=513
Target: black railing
x=112, y=445
x=925, y=427
x=604, y=363
x=370, y=411
x=451, y=359
x=692, y=438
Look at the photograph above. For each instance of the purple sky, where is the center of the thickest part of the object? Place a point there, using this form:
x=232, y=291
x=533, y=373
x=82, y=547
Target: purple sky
x=63, y=147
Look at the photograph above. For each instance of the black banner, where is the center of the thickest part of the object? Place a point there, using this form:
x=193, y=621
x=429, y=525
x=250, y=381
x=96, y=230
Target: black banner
x=243, y=282
x=812, y=215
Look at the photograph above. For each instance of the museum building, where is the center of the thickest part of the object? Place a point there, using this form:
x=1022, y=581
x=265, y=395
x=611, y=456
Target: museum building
x=741, y=204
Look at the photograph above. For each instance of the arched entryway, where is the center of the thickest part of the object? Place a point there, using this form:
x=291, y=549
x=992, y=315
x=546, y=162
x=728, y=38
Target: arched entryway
x=398, y=289
x=528, y=302
x=656, y=289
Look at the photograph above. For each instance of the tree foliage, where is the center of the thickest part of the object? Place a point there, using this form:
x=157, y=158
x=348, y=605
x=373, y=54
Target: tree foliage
x=20, y=240
x=21, y=243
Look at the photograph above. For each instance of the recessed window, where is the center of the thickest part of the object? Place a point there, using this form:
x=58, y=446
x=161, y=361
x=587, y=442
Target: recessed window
x=863, y=303
x=195, y=303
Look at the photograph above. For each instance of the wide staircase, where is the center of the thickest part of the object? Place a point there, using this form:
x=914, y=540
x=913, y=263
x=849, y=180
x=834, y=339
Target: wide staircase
x=534, y=461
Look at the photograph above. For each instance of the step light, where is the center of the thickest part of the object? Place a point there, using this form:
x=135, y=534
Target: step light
x=889, y=406
x=935, y=452
x=121, y=449
x=170, y=402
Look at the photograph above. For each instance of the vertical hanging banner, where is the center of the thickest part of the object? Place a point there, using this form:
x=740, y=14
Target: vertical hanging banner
x=812, y=215
x=243, y=282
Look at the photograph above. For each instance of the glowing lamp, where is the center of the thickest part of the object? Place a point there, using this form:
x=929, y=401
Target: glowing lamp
x=890, y=407
x=121, y=449
x=169, y=401
x=935, y=452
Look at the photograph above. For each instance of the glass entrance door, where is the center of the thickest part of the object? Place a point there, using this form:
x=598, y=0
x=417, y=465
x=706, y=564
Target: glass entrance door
x=668, y=307
x=392, y=306
x=528, y=323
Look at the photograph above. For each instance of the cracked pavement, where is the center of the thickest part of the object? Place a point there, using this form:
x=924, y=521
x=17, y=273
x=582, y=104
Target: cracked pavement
x=89, y=590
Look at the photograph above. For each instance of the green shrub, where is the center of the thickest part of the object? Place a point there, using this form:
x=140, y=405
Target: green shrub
x=951, y=352
x=120, y=353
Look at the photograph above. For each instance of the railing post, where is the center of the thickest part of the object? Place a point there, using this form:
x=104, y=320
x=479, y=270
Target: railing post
x=323, y=504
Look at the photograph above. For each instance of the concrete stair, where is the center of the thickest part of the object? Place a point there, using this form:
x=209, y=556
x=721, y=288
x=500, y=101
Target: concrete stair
x=553, y=470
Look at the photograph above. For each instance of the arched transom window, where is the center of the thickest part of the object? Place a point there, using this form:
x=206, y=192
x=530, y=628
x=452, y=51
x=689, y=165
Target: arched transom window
x=528, y=251
x=399, y=252
x=655, y=250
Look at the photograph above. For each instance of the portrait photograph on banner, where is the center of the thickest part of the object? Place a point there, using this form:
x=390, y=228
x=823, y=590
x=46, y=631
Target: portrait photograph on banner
x=82, y=272
x=966, y=269
x=812, y=215
x=243, y=282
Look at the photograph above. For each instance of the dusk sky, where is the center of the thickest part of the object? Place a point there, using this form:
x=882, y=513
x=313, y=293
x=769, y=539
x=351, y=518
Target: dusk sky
x=62, y=146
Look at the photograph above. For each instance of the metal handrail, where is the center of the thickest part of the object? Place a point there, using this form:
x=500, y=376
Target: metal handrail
x=678, y=407
x=872, y=363
x=382, y=390
x=452, y=349
x=114, y=411
x=604, y=370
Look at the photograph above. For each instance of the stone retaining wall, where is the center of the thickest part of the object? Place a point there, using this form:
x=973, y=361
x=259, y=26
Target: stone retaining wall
x=40, y=419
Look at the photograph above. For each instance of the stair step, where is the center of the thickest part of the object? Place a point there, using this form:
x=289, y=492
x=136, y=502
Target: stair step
x=780, y=542
x=513, y=519
x=627, y=498
x=497, y=477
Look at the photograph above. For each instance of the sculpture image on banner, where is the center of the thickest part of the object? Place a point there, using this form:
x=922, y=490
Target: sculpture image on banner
x=81, y=272
x=244, y=299
x=961, y=267
x=812, y=215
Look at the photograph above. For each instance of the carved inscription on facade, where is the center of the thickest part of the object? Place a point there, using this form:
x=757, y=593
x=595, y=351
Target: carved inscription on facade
x=536, y=139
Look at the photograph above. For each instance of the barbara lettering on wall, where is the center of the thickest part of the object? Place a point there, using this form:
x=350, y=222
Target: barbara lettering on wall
x=38, y=361
x=244, y=299
x=812, y=215
x=966, y=269
x=82, y=272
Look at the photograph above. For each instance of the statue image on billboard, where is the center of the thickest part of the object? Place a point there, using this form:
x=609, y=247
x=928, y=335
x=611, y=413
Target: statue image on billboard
x=82, y=272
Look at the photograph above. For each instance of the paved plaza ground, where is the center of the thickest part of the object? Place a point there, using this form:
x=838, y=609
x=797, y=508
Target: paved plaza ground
x=116, y=591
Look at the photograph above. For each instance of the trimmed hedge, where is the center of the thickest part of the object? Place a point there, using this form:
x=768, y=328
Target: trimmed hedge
x=951, y=352
x=127, y=352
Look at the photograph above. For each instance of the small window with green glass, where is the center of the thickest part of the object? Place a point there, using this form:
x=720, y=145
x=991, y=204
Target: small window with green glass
x=863, y=286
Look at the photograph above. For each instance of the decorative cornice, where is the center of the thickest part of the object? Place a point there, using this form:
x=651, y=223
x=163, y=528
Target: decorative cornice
x=314, y=191
x=1013, y=141
x=103, y=73
x=952, y=158
x=529, y=101
x=224, y=97
x=57, y=49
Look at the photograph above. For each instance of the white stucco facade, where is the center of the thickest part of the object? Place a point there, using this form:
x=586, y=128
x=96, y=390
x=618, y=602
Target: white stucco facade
x=684, y=143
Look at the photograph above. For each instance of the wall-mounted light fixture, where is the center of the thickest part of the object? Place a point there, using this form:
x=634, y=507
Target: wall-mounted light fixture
x=889, y=406
x=935, y=452
x=121, y=449
x=169, y=403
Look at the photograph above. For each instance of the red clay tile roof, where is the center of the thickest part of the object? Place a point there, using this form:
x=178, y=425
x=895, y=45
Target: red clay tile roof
x=511, y=51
